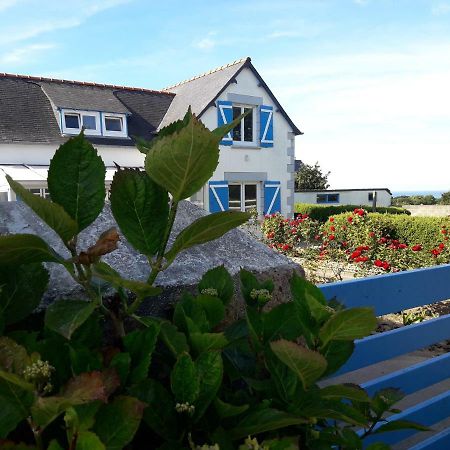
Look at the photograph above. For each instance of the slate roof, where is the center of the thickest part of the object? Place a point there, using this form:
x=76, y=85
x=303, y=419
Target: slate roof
x=28, y=105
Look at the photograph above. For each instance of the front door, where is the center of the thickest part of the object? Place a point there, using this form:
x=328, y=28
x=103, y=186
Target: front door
x=243, y=196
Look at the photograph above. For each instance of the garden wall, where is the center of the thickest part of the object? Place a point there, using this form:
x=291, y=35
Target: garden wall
x=428, y=210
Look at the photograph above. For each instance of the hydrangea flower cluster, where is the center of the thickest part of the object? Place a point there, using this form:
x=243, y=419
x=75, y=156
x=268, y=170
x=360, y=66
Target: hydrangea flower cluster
x=182, y=408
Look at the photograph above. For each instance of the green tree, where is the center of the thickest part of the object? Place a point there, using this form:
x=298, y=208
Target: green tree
x=311, y=177
x=445, y=199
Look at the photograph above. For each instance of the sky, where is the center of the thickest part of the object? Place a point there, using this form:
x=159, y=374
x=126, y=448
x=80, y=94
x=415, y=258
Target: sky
x=367, y=81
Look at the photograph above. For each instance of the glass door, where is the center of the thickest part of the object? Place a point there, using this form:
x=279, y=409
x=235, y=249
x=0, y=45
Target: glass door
x=242, y=196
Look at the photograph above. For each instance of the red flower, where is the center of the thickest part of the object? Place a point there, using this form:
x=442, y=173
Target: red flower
x=286, y=247
x=344, y=227
x=331, y=237
x=435, y=252
x=402, y=246
x=383, y=240
x=344, y=244
x=441, y=246
x=371, y=234
x=355, y=254
x=317, y=237
x=349, y=219
x=294, y=230
x=332, y=228
x=270, y=235
x=444, y=231
x=416, y=248
x=331, y=219
x=378, y=263
x=386, y=265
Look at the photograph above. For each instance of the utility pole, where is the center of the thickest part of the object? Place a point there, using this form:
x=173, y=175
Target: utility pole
x=374, y=201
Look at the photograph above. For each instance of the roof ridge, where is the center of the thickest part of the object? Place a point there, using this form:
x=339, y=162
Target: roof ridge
x=83, y=83
x=217, y=69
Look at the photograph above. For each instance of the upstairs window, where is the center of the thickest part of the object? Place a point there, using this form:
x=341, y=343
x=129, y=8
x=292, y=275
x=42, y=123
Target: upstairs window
x=72, y=122
x=94, y=123
x=244, y=132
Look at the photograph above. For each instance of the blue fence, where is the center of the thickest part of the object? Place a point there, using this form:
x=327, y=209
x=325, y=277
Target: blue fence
x=389, y=294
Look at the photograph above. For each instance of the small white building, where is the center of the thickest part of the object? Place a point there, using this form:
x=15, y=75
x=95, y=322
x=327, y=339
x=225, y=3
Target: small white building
x=256, y=165
x=359, y=197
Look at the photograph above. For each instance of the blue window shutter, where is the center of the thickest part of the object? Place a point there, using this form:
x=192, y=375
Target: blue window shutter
x=266, y=130
x=272, y=197
x=218, y=196
x=224, y=116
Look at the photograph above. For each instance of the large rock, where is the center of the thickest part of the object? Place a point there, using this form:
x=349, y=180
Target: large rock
x=234, y=250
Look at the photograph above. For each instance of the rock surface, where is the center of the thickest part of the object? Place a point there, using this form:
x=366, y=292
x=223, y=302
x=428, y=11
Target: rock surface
x=234, y=250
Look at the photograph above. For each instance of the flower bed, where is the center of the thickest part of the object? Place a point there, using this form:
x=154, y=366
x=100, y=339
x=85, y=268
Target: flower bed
x=384, y=242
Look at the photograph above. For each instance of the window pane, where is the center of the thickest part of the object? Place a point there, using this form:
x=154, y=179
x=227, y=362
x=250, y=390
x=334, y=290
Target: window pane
x=250, y=196
x=89, y=122
x=248, y=125
x=72, y=121
x=237, y=129
x=333, y=198
x=321, y=198
x=370, y=196
x=234, y=196
x=113, y=123
x=35, y=191
x=45, y=193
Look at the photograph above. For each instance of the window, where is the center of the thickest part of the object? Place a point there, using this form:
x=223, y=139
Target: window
x=327, y=198
x=114, y=125
x=244, y=132
x=370, y=196
x=40, y=192
x=72, y=122
x=242, y=196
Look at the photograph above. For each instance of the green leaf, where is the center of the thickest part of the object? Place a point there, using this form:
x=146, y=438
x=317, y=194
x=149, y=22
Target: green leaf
x=284, y=379
x=183, y=161
x=15, y=403
x=184, y=380
x=225, y=410
x=219, y=279
x=76, y=180
x=13, y=357
x=160, y=414
x=281, y=322
x=54, y=445
x=210, y=372
x=348, y=391
x=206, y=229
x=213, y=307
x=89, y=441
x=307, y=364
x=384, y=399
x=224, y=129
x=348, y=325
x=140, y=344
x=378, y=446
x=65, y=316
x=337, y=354
x=250, y=282
x=121, y=362
x=264, y=420
x=202, y=342
x=396, y=425
x=17, y=249
x=106, y=272
x=174, y=340
x=117, y=422
x=21, y=291
x=141, y=209
x=51, y=213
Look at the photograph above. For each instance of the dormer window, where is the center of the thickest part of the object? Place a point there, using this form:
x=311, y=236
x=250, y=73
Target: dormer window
x=94, y=123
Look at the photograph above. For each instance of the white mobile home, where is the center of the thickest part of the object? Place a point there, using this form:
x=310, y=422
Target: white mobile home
x=359, y=197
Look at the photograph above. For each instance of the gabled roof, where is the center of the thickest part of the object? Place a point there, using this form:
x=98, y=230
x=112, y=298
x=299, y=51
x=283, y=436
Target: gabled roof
x=202, y=91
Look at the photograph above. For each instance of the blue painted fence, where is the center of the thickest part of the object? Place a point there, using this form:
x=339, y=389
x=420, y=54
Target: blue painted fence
x=389, y=294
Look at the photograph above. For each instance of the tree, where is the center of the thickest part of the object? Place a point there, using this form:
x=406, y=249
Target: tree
x=445, y=199
x=311, y=177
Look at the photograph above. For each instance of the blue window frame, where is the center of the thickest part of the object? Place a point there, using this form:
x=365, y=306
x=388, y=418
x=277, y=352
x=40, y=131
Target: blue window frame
x=327, y=198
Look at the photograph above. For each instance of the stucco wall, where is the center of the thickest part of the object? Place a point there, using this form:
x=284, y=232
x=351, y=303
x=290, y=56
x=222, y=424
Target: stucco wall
x=346, y=197
x=276, y=162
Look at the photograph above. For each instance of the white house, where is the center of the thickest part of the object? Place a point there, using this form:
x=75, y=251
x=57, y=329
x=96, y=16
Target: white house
x=359, y=197
x=256, y=166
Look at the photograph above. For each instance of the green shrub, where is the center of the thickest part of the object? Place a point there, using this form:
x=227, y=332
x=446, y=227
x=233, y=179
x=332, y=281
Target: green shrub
x=323, y=212
x=94, y=374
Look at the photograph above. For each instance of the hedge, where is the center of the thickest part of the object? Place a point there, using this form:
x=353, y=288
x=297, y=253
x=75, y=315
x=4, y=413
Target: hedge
x=321, y=213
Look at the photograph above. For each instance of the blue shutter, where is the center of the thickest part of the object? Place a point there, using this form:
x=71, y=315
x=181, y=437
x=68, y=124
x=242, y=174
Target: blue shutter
x=266, y=130
x=224, y=116
x=272, y=197
x=218, y=196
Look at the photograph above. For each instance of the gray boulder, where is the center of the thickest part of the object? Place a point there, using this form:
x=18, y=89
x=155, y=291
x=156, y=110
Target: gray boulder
x=234, y=250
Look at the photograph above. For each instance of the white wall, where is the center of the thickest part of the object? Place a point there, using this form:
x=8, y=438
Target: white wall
x=273, y=160
x=346, y=197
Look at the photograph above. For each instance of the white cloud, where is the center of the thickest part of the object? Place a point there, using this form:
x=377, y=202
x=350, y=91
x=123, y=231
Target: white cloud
x=440, y=9
x=5, y=4
x=206, y=44
x=23, y=55
x=378, y=118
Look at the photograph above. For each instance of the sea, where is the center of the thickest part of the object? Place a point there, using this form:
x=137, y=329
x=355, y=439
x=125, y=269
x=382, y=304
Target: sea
x=436, y=194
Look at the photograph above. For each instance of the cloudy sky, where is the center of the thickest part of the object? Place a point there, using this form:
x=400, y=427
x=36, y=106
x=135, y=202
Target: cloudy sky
x=367, y=81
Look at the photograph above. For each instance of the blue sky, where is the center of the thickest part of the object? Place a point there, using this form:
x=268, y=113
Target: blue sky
x=368, y=81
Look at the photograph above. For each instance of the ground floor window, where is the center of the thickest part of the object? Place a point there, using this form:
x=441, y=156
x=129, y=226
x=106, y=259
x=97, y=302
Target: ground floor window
x=40, y=192
x=243, y=196
x=327, y=198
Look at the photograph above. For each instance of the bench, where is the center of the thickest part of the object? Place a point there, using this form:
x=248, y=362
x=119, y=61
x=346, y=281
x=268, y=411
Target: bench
x=391, y=293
